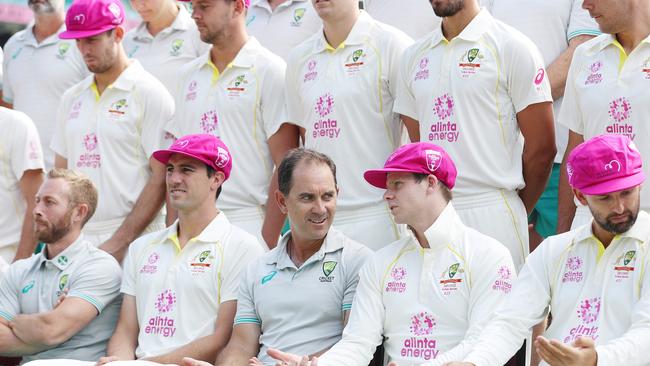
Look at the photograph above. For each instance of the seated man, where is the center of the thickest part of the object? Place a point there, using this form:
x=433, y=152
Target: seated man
x=298, y=296
x=428, y=295
x=34, y=324
x=595, y=278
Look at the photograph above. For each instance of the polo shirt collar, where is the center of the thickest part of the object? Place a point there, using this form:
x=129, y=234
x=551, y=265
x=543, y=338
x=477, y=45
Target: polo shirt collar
x=358, y=35
x=640, y=231
x=443, y=231
x=245, y=57
x=606, y=40
x=27, y=36
x=216, y=231
x=64, y=259
x=264, y=4
x=472, y=32
x=182, y=22
x=127, y=79
x=333, y=242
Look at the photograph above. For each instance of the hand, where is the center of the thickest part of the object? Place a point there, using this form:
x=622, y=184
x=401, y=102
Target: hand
x=289, y=359
x=192, y=362
x=107, y=359
x=254, y=361
x=582, y=352
x=114, y=248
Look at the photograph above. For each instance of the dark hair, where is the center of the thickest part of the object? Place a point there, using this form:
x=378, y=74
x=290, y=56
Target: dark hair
x=446, y=192
x=291, y=160
x=210, y=170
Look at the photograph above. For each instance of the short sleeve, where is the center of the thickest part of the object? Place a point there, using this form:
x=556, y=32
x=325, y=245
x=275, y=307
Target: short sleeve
x=129, y=272
x=527, y=79
x=570, y=113
x=355, y=258
x=580, y=22
x=274, y=110
x=294, y=102
x=158, y=112
x=246, y=312
x=399, y=42
x=237, y=255
x=7, y=91
x=26, y=150
x=9, y=305
x=97, y=282
x=58, y=144
x=404, y=97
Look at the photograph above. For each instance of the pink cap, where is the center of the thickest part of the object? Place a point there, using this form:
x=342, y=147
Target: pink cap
x=605, y=164
x=87, y=18
x=418, y=157
x=206, y=148
x=247, y=3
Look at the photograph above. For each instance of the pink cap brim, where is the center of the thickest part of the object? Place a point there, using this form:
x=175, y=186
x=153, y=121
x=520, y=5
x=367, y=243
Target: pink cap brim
x=614, y=185
x=377, y=177
x=164, y=155
x=84, y=34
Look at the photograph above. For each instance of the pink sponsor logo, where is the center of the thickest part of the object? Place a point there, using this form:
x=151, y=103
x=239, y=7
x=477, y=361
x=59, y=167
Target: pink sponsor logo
x=325, y=127
x=539, y=77
x=191, y=91
x=398, y=273
x=76, y=108
x=151, y=266
x=209, y=121
x=444, y=106
x=502, y=283
x=423, y=73
x=311, y=73
x=222, y=157
x=397, y=285
x=588, y=312
x=165, y=301
x=324, y=105
x=90, y=142
x=619, y=109
x=90, y=158
x=595, y=77
x=443, y=129
x=572, y=270
x=160, y=325
x=422, y=324
x=420, y=346
x=434, y=158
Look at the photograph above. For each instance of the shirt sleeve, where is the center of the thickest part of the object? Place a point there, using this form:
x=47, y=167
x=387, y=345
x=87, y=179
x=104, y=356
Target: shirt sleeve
x=26, y=150
x=356, y=258
x=632, y=347
x=7, y=92
x=493, y=274
x=58, y=144
x=580, y=22
x=97, y=282
x=398, y=45
x=404, y=98
x=129, y=273
x=246, y=312
x=237, y=255
x=521, y=309
x=570, y=113
x=158, y=113
x=363, y=332
x=9, y=305
x=527, y=79
x=274, y=110
x=294, y=102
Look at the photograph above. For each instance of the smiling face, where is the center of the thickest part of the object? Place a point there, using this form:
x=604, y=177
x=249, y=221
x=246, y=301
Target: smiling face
x=188, y=183
x=311, y=202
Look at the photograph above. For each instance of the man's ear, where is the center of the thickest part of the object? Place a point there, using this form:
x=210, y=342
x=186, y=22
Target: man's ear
x=281, y=200
x=580, y=196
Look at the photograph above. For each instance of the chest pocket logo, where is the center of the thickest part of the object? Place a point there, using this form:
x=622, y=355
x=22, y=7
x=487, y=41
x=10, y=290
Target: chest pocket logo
x=328, y=268
x=28, y=287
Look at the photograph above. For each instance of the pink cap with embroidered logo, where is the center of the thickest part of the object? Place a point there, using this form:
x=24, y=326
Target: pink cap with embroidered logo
x=87, y=18
x=206, y=148
x=417, y=157
x=605, y=164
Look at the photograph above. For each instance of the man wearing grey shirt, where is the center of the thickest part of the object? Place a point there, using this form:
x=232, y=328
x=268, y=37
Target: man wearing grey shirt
x=36, y=320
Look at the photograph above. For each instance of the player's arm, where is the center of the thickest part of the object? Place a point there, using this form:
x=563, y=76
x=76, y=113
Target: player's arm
x=244, y=344
x=206, y=348
x=12, y=346
x=537, y=127
x=29, y=184
x=146, y=208
x=60, y=162
x=51, y=328
x=566, y=208
x=412, y=127
x=285, y=139
x=559, y=68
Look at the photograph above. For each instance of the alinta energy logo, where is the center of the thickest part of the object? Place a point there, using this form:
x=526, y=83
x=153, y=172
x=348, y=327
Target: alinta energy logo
x=423, y=72
x=325, y=127
x=588, y=312
x=620, y=110
x=595, y=76
x=191, y=91
x=163, y=324
x=151, y=266
x=90, y=158
x=421, y=346
x=443, y=129
x=76, y=108
x=209, y=121
x=311, y=73
x=573, y=270
x=502, y=283
x=397, y=285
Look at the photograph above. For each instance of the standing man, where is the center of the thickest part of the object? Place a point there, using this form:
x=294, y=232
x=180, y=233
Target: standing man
x=235, y=91
x=595, y=278
x=108, y=126
x=280, y=25
x=340, y=90
x=413, y=17
x=34, y=322
x=478, y=88
x=180, y=284
x=21, y=174
x=428, y=295
x=39, y=67
x=606, y=89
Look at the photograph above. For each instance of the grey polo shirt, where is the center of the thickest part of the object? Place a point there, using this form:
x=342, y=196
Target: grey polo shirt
x=34, y=285
x=300, y=310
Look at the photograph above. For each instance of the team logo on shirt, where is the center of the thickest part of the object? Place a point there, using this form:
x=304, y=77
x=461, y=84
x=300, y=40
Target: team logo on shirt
x=201, y=262
x=423, y=72
x=328, y=268
x=63, y=283
x=151, y=266
x=595, y=76
x=420, y=345
x=450, y=278
x=442, y=128
x=90, y=158
x=162, y=324
x=355, y=61
x=646, y=68
x=209, y=121
x=62, y=260
x=588, y=312
x=325, y=127
x=63, y=49
x=237, y=86
x=177, y=44
x=28, y=287
x=298, y=14
x=117, y=110
x=470, y=62
x=311, y=73
x=398, y=274
x=268, y=277
x=503, y=281
x=573, y=270
x=624, y=265
x=619, y=111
